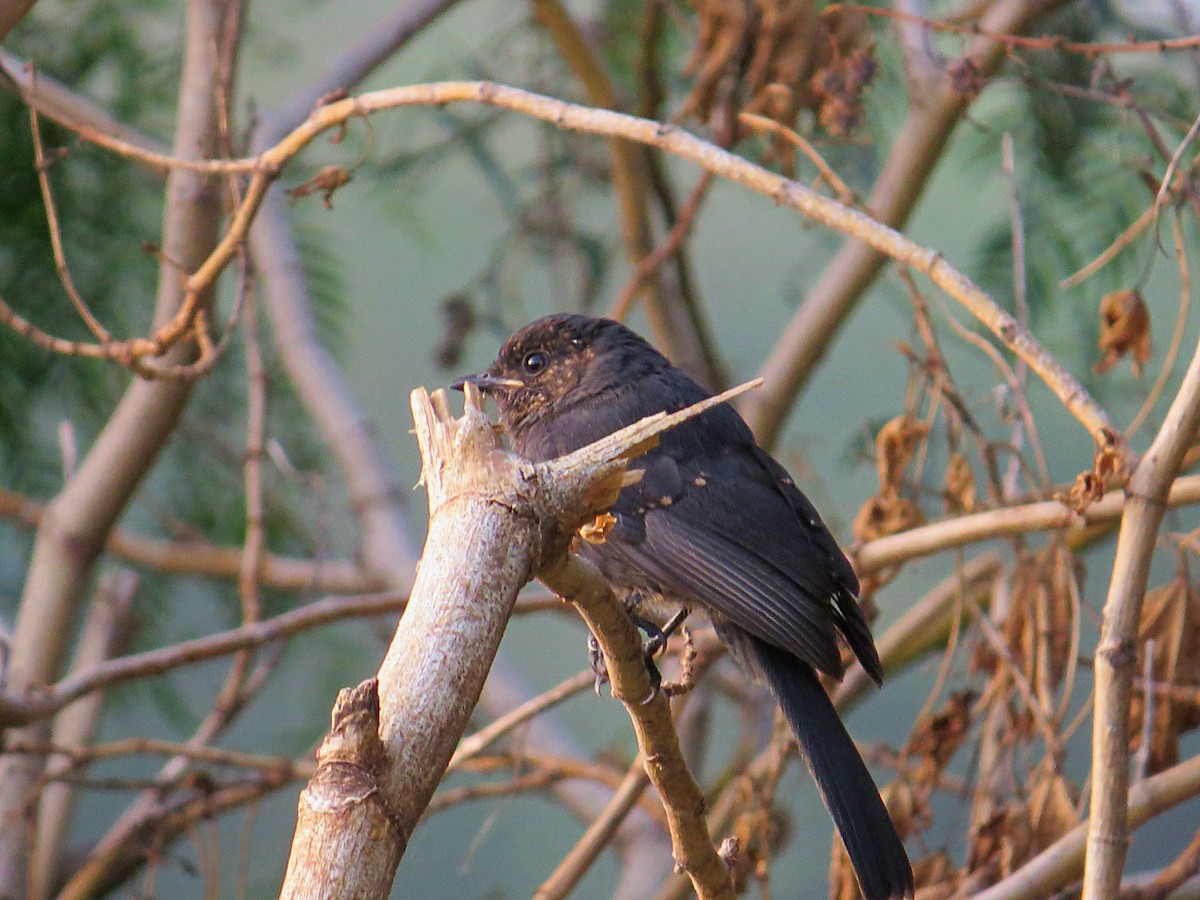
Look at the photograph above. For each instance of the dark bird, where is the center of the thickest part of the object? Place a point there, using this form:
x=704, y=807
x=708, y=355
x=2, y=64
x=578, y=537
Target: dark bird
x=714, y=523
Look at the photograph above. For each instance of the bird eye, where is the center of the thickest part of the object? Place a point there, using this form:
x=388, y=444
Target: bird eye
x=535, y=362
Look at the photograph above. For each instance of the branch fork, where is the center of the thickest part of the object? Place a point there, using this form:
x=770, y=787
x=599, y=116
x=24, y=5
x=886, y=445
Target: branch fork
x=495, y=520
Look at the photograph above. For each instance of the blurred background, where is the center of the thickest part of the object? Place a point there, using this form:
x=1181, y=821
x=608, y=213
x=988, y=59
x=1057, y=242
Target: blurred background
x=461, y=223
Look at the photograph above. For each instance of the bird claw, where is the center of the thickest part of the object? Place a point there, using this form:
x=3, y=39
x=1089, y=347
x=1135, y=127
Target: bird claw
x=655, y=643
x=596, y=659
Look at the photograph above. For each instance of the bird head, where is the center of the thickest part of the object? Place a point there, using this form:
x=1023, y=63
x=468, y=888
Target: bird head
x=558, y=361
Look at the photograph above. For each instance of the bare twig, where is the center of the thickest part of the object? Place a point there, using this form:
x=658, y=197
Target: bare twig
x=587, y=850
x=1044, y=516
x=670, y=245
x=209, y=560
x=852, y=222
x=934, y=111
x=471, y=746
x=17, y=709
x=763, y=123
x=621, y=645
x=1049, y=42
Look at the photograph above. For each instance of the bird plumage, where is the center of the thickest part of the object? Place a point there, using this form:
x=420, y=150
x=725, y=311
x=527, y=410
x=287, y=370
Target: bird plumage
x=714, y=522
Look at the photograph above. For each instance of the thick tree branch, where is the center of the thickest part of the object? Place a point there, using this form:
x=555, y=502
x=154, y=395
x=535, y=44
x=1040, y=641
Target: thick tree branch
x=1047, y=515
x=79, y=519
x=495, y=520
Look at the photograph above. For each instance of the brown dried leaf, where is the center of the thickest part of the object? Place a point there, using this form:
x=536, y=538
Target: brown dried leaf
x=937, y=737
x=843, y=883
x=459, y=319
x=1002, y=842
x=327, y=181
x=722, y=29
x=839, y=87
x=935, y=877
x=1037, y=627
x=1051, y=807
x=758, y=831
x=1089, y=487
x=1086, y=490
x=1171, y=620
x=894, y=448
x=1124, y=328
x=885, y=514
x=960, y=484
x=966, y=79
x=908, y=807
x=785, y=56
x=596, y=531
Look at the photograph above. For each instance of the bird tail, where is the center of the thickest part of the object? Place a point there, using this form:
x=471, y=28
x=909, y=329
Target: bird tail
x=874, y=846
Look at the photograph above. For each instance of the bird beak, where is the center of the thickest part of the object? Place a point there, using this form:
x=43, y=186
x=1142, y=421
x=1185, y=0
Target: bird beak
x=487, y=382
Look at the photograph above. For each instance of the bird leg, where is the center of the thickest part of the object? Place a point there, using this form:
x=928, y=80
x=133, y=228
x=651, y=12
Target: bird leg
x=655, y=643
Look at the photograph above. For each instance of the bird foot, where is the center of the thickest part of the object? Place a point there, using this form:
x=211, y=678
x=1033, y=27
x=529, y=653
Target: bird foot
x=655, y=643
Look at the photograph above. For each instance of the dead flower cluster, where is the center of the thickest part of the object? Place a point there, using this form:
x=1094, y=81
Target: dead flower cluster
x=777, y=58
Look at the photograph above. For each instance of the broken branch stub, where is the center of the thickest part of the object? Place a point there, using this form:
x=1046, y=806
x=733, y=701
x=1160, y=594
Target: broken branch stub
x=494, y=521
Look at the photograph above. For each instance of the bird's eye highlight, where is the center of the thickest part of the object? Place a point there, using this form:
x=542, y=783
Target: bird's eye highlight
x=535, y=362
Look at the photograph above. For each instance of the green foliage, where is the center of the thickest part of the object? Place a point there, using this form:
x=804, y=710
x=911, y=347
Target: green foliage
x=105, y=212
x=1081, y=171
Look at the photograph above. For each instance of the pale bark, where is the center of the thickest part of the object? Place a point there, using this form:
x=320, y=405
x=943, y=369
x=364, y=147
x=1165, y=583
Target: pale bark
x=105, y=633
x=1116, y=655
x=495, y=521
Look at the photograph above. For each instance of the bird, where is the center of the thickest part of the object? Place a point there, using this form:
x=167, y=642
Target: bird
x=715, y=523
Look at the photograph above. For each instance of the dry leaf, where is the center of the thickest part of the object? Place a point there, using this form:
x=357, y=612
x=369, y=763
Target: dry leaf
x=1089, y=487
x=1170, y=628
x=780, y=57
x=1037, y=629
x=596, y=531
x=937, y=737
x=966, y=78
x=960, y=484
x=1124, y=328
x=1086, y=490
x=1001, y=843
x=935, y=877
x=885, y=514
x=894, y=447
x=1051, y=807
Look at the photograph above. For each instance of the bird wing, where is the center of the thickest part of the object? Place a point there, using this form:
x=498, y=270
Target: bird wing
x=728, y=531
x=716, y=520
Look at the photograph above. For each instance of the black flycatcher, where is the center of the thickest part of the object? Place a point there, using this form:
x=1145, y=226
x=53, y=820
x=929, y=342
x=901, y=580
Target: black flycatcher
x=717, y=523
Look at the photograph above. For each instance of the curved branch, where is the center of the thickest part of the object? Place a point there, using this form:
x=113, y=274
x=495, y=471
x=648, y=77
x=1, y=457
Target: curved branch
x=864, y=228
